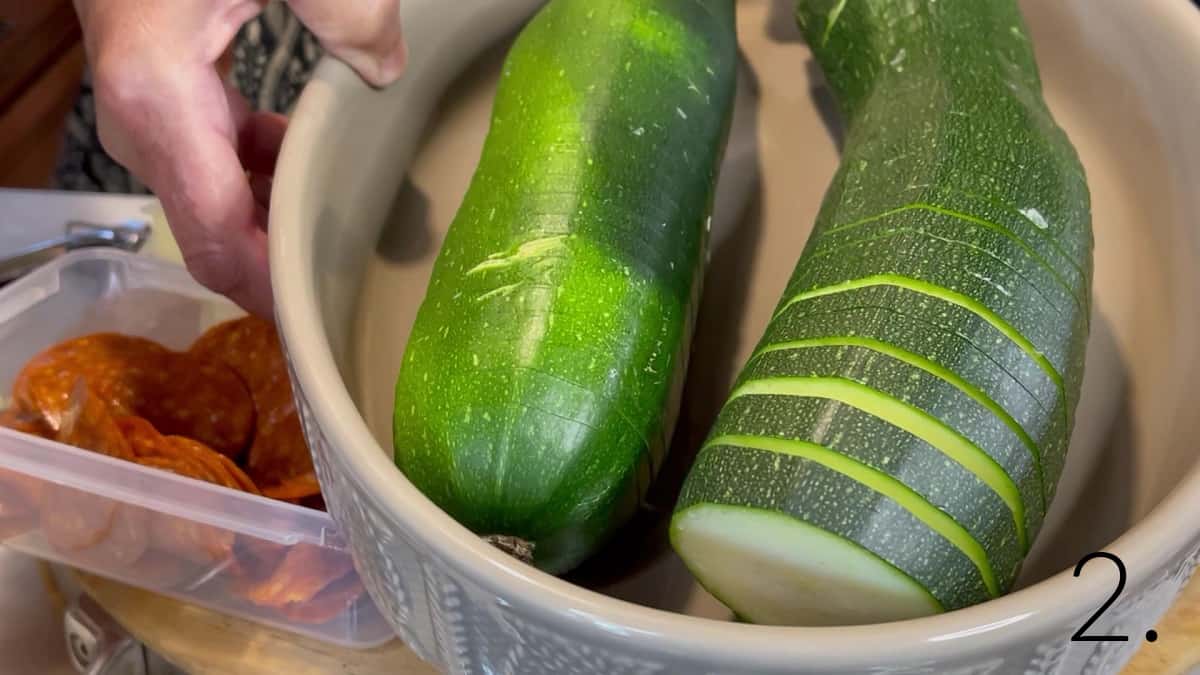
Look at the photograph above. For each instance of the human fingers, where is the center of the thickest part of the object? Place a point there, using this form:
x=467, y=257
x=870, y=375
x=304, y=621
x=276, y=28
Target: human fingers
x=187, y=144
x=365, y=34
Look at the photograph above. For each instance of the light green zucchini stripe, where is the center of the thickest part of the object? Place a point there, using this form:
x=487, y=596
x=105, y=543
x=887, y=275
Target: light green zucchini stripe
x=895, y=232
x=834, y=15
x=918, y=361
x=982, y=222
x=907, y=417
x=1053, y=242
x=954, y=298
x=936, y=519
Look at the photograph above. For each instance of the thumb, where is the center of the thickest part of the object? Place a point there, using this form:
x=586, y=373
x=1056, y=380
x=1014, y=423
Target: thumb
x=365, y=34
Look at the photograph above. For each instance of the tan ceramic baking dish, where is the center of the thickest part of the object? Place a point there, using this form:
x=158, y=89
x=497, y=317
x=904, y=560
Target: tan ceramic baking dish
x=369, y=180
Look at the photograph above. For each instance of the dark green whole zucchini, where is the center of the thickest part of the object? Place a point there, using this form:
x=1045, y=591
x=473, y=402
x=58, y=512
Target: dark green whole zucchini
x=892, y=446
x=541, y=381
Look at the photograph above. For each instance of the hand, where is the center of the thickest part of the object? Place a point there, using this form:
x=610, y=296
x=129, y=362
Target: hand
x=164, y=111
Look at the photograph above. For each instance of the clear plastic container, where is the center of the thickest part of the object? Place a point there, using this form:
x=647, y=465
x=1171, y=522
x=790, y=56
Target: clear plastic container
x=279, y=564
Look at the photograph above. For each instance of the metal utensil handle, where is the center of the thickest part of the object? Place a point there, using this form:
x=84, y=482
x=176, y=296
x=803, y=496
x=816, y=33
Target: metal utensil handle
x=97, y=644
x=127, y=237
x=20, y=263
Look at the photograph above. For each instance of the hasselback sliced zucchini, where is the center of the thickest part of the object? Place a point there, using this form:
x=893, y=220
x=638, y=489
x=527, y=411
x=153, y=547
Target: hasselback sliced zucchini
x=541, y=381
x=892, y=446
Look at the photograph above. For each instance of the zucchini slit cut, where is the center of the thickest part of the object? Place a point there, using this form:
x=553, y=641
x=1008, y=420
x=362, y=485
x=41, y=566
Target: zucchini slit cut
x=1037, y=228
x=974, y=220
x=834, y=15
x=955, y=298
x=918, y=361
x=983, y=353
x=900, y=230
x=936, y=519
x=907, y=417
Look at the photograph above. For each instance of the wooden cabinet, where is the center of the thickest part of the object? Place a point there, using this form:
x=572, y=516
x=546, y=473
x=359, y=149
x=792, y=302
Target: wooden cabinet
x=41, y=62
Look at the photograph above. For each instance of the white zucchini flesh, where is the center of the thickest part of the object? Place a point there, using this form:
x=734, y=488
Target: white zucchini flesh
x=784, y=571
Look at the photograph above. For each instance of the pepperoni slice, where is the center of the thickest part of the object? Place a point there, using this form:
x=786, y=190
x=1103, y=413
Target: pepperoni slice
x=333, y=601
x=295, y=489
x=27, y=423
x=71, y=519
x=280, y=456
x=144, y=439
x=315, y=502
x=14, y=502
x=278, y=461
x=249, y=345
x=124, y=542
x=255, y=559
x=194, y=542
x=202, y=400
x=159, y=570
x=147, y=442
x=177, y=393
x=20, y=495
x=18, y=514
x=303, y=573
x=111, y=364
x=240, y=479
x=302, y=583
x=95, y=531
x=221, y=468
x=87, y=422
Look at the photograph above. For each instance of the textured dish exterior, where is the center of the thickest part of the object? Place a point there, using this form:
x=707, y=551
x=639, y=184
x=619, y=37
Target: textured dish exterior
x=461, y=627
x=472, y=614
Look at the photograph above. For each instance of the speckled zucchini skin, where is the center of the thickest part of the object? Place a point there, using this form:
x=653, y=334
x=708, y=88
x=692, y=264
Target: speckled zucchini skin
x=950, y=268
x=540, y=384
x=755, y=478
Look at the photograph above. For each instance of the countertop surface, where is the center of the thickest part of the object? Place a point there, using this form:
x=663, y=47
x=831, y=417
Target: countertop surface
x=31, y=627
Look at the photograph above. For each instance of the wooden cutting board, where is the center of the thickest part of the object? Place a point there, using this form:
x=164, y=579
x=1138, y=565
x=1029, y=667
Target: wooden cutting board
x=203, y=642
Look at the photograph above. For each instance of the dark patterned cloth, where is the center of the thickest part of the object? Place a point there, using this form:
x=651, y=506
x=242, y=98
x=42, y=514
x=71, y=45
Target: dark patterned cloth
x=273, y=56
